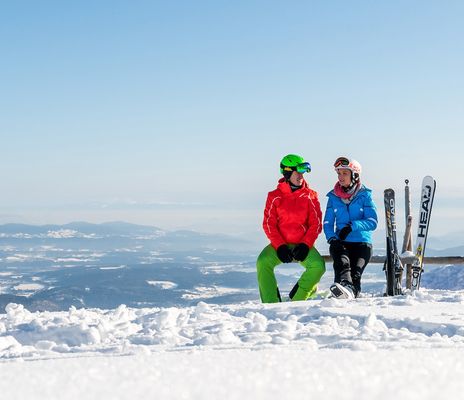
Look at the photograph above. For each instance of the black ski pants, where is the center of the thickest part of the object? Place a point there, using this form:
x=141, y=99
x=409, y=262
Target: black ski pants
x=349, y=261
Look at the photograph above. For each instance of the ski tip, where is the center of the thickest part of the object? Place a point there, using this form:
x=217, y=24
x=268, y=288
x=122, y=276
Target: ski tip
x=429, y=181
x=429, y=178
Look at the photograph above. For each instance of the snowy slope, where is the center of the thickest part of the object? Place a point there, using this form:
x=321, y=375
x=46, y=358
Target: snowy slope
x=247, y=350
x=424, y=319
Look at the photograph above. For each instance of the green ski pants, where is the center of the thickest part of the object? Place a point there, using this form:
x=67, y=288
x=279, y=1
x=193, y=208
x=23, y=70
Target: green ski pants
x=307, y=284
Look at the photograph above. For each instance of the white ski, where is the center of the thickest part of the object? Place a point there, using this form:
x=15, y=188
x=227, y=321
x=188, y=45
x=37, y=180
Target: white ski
x=426, y=202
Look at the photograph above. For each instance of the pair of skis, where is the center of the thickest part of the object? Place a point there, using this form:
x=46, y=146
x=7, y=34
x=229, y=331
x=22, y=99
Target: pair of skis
x=393, y=264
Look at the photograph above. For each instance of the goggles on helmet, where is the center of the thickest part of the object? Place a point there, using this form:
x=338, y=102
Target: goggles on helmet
x=301, y=168
x=341, y=162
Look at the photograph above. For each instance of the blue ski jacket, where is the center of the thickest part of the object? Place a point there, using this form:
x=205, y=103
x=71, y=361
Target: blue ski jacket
x=360, y=213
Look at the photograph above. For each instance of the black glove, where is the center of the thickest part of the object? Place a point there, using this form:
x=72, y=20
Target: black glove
x=284, y=253
x=300, y=251
x=332, y=239
x=344, y=232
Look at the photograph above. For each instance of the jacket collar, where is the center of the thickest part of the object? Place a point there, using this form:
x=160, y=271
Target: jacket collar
x=361, y=192
x=285, y=188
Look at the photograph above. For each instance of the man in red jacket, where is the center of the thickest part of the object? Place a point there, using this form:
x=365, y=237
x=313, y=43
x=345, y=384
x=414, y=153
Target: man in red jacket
x=292, y=222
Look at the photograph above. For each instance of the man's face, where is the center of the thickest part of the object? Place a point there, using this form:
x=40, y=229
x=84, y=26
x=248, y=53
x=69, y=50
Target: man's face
x=296, y=178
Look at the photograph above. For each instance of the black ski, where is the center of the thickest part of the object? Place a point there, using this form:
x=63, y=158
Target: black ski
x=393, y=266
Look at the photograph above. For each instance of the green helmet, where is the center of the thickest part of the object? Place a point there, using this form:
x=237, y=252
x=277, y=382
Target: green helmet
x=293, y=162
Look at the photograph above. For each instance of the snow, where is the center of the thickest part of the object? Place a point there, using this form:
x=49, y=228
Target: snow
x=112, y=268
x=58, y=234
x=277, y=373
x=208, y=292
x=373, y=347
x=28, y=286
x=63, y=234
x=163, y=284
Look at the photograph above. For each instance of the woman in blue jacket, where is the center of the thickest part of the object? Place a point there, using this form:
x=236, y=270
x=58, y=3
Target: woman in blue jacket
x=349, y=219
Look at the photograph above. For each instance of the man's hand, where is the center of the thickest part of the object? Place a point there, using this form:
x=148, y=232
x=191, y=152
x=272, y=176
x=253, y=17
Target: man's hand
x=300, y=251
x=285, y=253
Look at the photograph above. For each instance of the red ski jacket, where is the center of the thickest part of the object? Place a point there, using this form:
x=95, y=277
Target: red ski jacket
x=292, y=217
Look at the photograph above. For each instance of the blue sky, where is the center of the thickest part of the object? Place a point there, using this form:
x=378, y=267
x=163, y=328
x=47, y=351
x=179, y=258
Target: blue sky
x=176, y=114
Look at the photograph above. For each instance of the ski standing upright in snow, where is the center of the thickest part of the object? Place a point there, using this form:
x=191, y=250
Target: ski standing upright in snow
x=393, y=266
x=427, y=195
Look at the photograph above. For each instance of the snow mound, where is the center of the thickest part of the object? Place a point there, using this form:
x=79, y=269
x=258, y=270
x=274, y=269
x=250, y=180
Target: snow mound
x=424, y=319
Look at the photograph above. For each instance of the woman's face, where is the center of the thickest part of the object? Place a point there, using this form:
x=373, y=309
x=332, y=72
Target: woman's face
x=296, y=178
x=344, y=177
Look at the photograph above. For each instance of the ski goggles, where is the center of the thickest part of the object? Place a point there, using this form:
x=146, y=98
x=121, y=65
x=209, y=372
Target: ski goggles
x=301, y=168
x=341, y=162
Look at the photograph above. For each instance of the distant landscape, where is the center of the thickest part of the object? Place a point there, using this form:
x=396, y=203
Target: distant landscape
x=54, y=267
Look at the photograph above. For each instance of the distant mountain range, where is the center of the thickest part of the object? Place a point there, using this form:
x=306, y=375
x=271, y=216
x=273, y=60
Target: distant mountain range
x=107, y=228
x=115, y=233
x=448, y=241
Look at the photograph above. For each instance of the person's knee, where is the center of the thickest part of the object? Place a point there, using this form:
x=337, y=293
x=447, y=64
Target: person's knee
x=265, y=260
x=321, y=267
x=261, y=265
x=317, y=266
x=342, y=261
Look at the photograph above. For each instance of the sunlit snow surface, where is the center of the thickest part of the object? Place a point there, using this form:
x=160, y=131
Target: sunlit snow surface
x=247, y=350
x=426, y=319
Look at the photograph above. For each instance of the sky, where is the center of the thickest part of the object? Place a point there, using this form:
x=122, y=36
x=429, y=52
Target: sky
x=176, y=114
